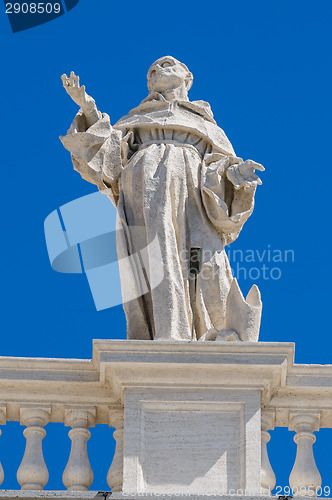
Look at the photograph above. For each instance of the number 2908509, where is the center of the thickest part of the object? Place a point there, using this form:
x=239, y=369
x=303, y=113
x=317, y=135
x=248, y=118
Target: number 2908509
x=33, y=8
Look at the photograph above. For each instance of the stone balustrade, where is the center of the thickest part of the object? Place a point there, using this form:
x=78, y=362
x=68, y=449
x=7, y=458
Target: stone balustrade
x=303, y=403
x=38, y=391
x=85, y=393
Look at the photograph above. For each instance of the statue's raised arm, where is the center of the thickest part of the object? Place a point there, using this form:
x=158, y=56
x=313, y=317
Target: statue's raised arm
x=81, y=98
x=94, y=145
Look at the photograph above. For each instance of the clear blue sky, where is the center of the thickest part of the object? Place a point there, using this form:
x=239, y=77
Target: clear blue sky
x=265, y=68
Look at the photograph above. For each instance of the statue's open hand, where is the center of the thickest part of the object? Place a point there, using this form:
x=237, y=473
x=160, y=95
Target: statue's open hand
x=77, y=93
x=243, y=175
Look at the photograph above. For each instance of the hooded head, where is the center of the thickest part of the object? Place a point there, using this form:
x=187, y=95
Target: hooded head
x=167, y=73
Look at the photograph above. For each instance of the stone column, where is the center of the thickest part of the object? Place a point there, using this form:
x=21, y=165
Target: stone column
x=115, y=473
x=268, y=477
x=32, y=473
x=78, y=475
x=305, y=478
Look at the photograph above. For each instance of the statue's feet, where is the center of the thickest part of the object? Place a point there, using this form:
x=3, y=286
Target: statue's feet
x=210, y=335
x=227, y=336
x=220, y=336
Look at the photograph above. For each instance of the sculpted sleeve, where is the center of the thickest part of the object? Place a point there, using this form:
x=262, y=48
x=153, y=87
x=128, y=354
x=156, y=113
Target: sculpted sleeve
x=226, y=207
x=96, y=152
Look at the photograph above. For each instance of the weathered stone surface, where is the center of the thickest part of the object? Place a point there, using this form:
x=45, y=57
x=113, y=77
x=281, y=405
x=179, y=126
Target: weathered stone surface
x=177, y=184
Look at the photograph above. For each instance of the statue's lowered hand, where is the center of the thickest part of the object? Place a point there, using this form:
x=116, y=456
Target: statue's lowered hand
x=243, y=175
x=77, y=93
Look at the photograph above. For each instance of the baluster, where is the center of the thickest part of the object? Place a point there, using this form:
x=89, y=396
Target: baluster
x=115, y=473
x=268, y=478
x=2, y=422
x=32, y=473
x=305, y=478
x=78, y=475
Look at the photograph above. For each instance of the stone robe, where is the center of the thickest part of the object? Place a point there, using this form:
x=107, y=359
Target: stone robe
x=163, y=166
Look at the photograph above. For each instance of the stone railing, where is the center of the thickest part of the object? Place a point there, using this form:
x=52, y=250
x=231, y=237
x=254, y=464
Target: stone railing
x=82, y=394
x=303, y=403
x=35, y=392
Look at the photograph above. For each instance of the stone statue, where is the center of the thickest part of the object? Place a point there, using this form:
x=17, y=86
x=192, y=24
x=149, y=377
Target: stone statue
x=177, y=184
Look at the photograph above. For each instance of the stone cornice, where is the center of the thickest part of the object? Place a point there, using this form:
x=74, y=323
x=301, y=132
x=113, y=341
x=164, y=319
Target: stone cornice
x=101, y=381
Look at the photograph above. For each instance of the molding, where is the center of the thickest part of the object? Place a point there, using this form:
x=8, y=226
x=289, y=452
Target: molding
x=118, y=364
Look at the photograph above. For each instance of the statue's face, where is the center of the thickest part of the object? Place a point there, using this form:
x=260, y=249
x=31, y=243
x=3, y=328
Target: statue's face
x=167, y=73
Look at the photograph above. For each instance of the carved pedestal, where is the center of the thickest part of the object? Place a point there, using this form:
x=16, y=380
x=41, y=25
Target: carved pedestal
x=192, y=413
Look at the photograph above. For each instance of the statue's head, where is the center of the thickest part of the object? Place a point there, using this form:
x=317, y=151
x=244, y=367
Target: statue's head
x=168, y=73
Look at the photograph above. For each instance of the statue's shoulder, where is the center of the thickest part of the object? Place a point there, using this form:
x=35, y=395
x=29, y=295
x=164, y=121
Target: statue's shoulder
x=202, y=108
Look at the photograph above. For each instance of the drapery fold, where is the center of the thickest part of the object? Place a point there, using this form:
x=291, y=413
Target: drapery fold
x=169, y=179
